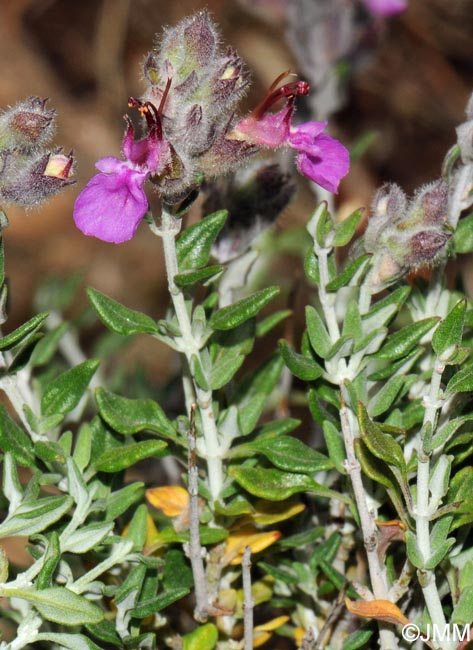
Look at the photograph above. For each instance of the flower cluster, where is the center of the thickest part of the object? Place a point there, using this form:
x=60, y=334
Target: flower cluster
x=29, y=173
x=407, y=235
x=191, y=132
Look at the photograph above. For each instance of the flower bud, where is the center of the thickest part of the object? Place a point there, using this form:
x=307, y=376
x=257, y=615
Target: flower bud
x=34, y=179
x=26, y=125
x=404, y=235
x=254, y=198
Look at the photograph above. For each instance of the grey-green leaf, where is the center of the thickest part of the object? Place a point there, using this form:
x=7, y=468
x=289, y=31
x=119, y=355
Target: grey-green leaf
x=64, y=393
x=120, y=458
x=128, y=416
x=449, y=332
x=118, y=318
x=300, y=365
x=194, y=245
x=230, y=317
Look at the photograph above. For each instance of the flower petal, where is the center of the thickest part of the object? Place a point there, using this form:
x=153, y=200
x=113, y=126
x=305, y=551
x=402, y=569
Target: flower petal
x=303, y=136
x=385, y=7
x=326, y=164
x=110, y=207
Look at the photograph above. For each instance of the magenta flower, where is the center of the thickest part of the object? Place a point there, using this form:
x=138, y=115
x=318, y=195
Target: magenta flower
x=385, y=7
x=113, y=203
x=320, y=157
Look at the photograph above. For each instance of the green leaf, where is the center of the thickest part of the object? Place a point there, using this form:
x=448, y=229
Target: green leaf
x=236, y=314
x=384, y=398
x=68, y=641
x=358, y=639
x=462, y=612
x=401, y=343
x=449, y=332
x=33, y=517
x=461, y=382
x=335, y=445
x=189, y=278
x=136, y=531
x=318, y=334
x=275, y=485
x=194, y=245
x=52, y=557
x=86, y=538
x=60, y=605
x=204, y=637
x=128, y=416
x=118, y=318
x=149, y=607
x=291, y=454
x=344, y=230
x=118, y=502
x=463, y=235
x=64, y=393
x=381, y=445
x=446, y=431
x=226, y=365
x=177, y=573
x=300, y=365
x=311, y=266
x=268, y=323
x=252, y=394
x=15, y=440
x=281, y=573
x=18, y=335
x=120, y=458
x=356, y=268
x=369, y=465
x=301, y=540
x=413, y=552
x=47, y=346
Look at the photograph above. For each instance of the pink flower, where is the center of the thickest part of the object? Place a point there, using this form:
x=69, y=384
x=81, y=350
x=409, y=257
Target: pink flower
x=320, y=157
x=385, y=7
x=113, y=203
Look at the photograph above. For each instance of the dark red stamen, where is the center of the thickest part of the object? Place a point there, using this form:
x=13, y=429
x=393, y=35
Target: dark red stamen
x=289, y=91
x=165, y=96
x=151, y=115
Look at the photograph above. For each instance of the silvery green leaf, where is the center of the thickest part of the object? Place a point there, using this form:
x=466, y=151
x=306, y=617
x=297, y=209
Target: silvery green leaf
x=86, y=538
x=33, y=517
x=11, y=483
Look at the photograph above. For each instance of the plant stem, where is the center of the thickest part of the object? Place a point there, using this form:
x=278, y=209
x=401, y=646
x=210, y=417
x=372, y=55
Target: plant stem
x=377, y=573
x=248, y=602
x=422, y=514
x=191, y=349
x=195, y=549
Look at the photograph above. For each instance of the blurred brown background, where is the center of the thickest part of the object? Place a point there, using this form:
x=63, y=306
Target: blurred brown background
x=410, y=79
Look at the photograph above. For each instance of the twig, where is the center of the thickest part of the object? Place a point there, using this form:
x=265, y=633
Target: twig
x=330, y=620
x=248, y=602
x=196, y=553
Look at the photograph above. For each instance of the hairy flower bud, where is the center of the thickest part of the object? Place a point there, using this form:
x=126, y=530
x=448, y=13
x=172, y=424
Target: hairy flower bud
x=407, y=235
x=34, y=179
x=30, y=174
x=26, y=125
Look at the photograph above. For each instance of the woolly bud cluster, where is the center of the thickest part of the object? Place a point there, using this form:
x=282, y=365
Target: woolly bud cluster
x=28, y=173
x=405, y=235
x=198, y=87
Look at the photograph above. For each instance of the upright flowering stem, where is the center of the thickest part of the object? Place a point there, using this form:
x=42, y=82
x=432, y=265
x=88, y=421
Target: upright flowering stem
x=377, y=573
x=191, y=346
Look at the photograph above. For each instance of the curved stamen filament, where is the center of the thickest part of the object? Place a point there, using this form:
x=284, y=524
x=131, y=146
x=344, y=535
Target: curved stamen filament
x=289, y=91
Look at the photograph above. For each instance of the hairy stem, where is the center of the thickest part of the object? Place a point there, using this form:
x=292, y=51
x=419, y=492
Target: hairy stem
x=377, y=572
x=422, y=513
x=195, y=549
x=191, y=347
